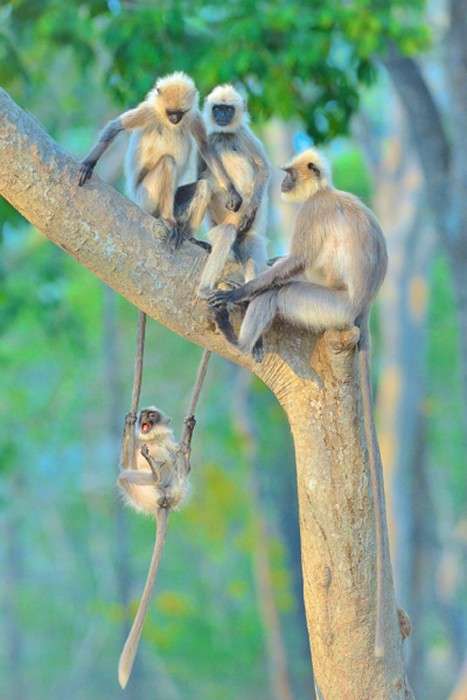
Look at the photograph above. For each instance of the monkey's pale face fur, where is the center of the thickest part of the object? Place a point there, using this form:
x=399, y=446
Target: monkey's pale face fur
x=225, y=110
x=174, y=96
x=152, y=425
x=306, y=174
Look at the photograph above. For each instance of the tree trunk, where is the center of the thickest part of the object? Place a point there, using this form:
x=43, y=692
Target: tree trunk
x=123, y=246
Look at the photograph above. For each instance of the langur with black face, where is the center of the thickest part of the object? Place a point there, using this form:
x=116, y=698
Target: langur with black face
x=245, y=164
x=153, y=481
x=336, y=265
x=164, y=128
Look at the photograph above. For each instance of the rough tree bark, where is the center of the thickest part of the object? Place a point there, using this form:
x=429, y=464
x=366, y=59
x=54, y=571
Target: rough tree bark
x=314, y=379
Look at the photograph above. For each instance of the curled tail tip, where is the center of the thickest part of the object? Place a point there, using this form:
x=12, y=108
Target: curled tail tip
x=124, y=670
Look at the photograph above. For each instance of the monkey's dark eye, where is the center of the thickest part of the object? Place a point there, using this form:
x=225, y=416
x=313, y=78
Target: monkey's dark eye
x=312, y=166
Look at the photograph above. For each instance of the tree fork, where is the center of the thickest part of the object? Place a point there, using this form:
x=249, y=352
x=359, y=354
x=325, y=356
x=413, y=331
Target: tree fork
x=315, y=380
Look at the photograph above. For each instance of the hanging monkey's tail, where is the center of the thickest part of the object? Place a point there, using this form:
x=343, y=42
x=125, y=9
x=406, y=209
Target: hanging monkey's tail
x=128, y=654
x=377, y=489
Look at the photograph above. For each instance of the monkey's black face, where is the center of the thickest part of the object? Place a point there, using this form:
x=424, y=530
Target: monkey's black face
x=223, y=114
x=148, y=418
x=175, y=115
x=288, y=183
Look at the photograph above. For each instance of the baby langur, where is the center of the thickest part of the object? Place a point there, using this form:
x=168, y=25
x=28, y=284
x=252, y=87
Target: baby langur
x=336, y=265
x=164, y=128
x=242, y=156
x=154, y=481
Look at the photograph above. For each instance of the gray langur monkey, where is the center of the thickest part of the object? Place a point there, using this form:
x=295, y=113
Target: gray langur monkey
x=336, y=265
x=244, y=162
x=164, y=128
x=153, y=480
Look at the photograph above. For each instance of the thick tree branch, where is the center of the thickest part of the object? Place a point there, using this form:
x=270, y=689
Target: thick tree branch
x=425, y=123
x=102, y=229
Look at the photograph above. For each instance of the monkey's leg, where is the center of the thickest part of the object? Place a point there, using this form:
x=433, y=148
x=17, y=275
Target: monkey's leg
x=190, y=206
x=222, y=238
x=315, y=307
x=135, y=476
x=155, y=194
x=258, y=319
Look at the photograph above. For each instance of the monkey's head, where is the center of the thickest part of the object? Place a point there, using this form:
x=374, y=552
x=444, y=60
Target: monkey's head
x=225, y=109
x=174, y=97
x=305, y=175
x=152, y=424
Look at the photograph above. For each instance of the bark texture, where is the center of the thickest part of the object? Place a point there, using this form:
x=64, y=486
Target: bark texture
x=315, y=380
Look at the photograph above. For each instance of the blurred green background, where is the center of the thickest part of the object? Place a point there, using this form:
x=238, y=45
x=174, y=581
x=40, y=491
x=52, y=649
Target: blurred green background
x=227, y=619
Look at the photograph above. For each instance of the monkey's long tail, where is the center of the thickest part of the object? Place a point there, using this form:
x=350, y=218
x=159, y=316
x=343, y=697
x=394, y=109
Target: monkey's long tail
x=128, y=654
x=377, y=489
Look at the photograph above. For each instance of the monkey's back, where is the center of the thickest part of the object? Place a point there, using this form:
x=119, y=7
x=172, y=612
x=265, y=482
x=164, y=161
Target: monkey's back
x=343, y=244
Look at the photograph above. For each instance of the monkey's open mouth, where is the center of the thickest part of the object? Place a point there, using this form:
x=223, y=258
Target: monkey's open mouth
x=146, y=427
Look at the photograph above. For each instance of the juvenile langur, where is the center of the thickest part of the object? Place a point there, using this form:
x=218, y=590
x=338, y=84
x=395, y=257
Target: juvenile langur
x=336, y=265
x=241, y=154
x=164, y=128
x=154, y=481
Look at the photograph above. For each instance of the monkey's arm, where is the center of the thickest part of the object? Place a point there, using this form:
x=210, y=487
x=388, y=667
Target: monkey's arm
x=132, y=119
x=261, y=178
x=127, y=451
x=136, y=476
x=276, y=276
x=234, y=200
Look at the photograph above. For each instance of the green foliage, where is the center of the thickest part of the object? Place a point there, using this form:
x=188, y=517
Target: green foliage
x=294, y=59
x=350, y=173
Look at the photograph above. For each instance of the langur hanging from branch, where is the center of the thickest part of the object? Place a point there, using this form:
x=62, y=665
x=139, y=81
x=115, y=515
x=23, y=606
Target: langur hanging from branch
x=153, y=479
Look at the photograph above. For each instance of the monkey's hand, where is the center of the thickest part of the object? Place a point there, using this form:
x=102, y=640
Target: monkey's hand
x=130, y=418
x=85, y=171
x=233, y=200
x=221, y=297
x=248, y=218
x=145, y=451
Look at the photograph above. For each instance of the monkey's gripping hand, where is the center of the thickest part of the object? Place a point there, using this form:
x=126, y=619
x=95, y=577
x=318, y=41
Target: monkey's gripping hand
x=86, y=170
x=246, y=222
x=233, y=200
x=220, y=297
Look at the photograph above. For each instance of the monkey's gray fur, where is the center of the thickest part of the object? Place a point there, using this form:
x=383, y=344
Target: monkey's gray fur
x=243, y=159
x=164, y=128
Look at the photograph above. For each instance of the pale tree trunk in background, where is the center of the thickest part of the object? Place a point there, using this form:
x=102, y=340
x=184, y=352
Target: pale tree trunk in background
x=460, y=690
x=398, y=204
x=13, y=578
x=276, y=653
x=440, y=142
x=315, y=381
x=277, y=136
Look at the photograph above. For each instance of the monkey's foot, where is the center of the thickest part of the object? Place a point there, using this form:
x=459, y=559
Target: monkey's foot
x=176, y=237
x=258, y=351
x=202, y=244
